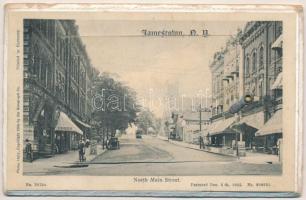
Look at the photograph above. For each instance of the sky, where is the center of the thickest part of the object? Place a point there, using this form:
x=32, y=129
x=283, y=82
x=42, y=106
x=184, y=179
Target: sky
x=150, y=64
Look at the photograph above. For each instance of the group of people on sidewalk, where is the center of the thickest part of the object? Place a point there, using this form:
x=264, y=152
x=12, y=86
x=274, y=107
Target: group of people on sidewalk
x=82, y=146
x=82, y=149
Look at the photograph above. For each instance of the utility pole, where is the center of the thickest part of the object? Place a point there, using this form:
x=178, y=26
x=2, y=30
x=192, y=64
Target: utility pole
x=200, y=117
x=200, y=114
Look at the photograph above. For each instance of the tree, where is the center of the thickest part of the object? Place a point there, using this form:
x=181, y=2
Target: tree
x=114, y=104
x=145, y=120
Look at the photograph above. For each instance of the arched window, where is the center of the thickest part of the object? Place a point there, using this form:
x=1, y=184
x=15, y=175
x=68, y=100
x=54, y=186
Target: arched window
x=261, y=57
x=254, y=61
x=261, y=89
x=247, y=66
x=43, y=71
x=35, y=60
x=49, y=73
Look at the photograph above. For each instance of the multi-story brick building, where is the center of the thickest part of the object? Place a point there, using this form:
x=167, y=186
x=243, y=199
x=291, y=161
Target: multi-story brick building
x=262, y=57
x=231, y=73
x=257, y=72
x=57, y=82
x=217, y=70
x=225, y=92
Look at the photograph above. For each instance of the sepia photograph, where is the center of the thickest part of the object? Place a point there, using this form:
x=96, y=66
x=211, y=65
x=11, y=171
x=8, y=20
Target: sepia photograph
x=152, y=98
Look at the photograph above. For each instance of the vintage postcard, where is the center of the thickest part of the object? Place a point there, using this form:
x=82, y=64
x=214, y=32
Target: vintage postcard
x=173, y=100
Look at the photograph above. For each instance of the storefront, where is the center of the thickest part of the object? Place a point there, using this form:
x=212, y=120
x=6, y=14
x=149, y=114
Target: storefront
x=268, y=137
x=43, y=130
x=221, y=135
x=247, y=126
x=67, y=134
x=86, y=128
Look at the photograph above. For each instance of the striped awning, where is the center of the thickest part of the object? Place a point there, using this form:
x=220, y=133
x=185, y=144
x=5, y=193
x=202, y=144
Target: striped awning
x=65, y=124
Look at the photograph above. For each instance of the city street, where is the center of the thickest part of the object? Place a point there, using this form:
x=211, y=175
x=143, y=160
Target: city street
x=153, y=156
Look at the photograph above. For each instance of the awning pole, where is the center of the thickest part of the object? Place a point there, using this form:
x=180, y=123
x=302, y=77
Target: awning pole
x=237, y=115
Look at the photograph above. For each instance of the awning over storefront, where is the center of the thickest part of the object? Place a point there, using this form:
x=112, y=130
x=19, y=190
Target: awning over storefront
x=274, y=125
x=278, y=83
x=82, y=123
x=221, y=126
x=65, y=124
x=278, y=42
x=255, y=120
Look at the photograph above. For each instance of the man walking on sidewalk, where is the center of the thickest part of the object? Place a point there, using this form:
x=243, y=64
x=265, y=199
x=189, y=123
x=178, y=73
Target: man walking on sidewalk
x=81, y=150
x=201, y=142
x=29, y=151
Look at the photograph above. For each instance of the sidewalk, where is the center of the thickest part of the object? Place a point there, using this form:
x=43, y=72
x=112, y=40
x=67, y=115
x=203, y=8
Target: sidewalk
x=250, y=158
x=60, y=160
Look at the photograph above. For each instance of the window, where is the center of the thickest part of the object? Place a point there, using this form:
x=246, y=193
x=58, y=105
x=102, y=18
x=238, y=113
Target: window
x=247, y=65
x=278, y=54
x=278, y=28
x=35, y=61
x=254, y=61
x=270, y=53
x=58, y=45
x=261, y=57
x=43, y=73
x=261, y=89
x=49, y=74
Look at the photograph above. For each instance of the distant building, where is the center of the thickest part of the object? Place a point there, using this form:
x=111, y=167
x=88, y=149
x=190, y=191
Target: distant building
x=187, y=126
x=57, y=83
x=194, y=127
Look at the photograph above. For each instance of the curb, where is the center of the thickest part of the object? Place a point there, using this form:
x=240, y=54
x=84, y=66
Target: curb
x=176, y=143
x=78, y=163
x=234, y=156
x=105, y=150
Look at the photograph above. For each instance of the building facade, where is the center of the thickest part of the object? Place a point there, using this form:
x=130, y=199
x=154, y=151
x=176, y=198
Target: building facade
x=262, y=57
x=251, y=65
x=217, y=70
x=57, y=83
x=226, y=91
x=231, y=73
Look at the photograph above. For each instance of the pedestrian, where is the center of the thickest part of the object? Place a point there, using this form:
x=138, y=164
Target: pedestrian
x=81, y=150
x=29, y=151
x=87, y=143
x=201, y=143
